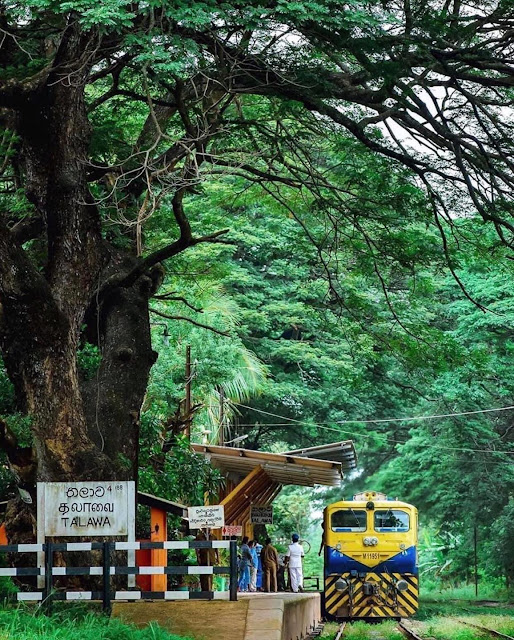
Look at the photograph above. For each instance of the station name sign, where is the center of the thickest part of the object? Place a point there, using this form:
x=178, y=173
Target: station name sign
x=209, y=517
x=85, y=508
x=260, y=514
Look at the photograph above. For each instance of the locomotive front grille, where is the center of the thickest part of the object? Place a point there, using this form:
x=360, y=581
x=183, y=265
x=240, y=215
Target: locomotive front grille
x=374, y=596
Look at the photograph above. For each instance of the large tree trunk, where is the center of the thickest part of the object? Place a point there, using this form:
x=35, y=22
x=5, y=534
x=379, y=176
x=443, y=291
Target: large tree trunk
x=79, y=433
x=55, y=136
x=120, y=324
x=76, y=286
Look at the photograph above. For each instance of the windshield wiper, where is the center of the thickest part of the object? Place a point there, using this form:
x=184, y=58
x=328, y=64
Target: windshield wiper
x=395, y=522
x=356, y=519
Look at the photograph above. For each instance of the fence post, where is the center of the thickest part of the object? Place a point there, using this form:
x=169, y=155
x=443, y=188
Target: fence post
x=107, y=577
x=233, y=570
x=49, y=563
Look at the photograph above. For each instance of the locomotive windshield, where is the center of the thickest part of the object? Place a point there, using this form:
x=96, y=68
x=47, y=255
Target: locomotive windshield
x=391, y=520
x=348, y=520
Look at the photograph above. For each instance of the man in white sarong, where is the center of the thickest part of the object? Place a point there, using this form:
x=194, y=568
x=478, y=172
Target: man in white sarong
x=293, y=558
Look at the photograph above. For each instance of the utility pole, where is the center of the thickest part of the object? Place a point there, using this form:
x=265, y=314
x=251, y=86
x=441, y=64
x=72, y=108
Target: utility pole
x=188, y=392
x=221, y=436
x=475, y=545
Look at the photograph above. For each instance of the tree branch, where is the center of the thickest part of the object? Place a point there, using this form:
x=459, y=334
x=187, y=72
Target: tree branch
x=190, y=320
x=26, y=230
x=165, y=253
x=19, y=279
x=16, y=94
x=171, y=297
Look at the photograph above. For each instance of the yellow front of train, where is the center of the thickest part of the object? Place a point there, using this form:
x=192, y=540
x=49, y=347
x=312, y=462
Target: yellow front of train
x=371, y=567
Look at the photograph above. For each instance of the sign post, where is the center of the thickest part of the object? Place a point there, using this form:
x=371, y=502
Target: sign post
x=87, y=509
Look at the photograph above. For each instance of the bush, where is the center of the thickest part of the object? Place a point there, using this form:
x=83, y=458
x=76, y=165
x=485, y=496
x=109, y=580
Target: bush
x=20, y=623
x=7, y=587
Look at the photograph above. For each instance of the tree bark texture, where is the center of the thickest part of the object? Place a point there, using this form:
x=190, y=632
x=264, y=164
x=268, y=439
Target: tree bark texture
x=113, y=398
x=81, y=430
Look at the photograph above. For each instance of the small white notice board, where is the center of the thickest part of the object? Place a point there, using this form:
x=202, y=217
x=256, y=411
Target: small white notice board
x=260, y=514
x=212, y=517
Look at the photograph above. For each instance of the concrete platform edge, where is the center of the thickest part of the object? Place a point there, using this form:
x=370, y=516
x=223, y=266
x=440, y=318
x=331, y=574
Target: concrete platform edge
x=284, y=616
x=276, y=618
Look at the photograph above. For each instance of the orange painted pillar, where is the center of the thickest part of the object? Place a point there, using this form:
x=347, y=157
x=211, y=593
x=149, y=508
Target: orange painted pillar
x=3, y=535
x=158, y=557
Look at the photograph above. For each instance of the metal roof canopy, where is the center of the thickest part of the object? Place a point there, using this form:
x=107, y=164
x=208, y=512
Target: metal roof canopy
x=281, y=468
x=175, y=508
x=343, y=452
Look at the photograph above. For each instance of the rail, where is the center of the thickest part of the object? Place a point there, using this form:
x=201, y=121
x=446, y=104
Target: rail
x=107, y=570
x=408, y=631
x=493, y=632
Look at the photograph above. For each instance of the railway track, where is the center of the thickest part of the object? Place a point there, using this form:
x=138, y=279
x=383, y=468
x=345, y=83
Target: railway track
x=481, y=603
x=407, y=631
x=493, y=632
x=411, y=634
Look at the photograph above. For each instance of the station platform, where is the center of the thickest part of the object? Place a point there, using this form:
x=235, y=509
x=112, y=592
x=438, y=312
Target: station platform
x=255, y=616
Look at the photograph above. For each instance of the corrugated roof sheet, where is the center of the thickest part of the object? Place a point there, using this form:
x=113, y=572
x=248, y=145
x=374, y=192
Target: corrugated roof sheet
x=343, y=452
x=280, y=468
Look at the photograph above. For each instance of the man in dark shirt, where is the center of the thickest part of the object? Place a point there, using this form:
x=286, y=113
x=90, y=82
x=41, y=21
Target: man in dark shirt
x=269, y=559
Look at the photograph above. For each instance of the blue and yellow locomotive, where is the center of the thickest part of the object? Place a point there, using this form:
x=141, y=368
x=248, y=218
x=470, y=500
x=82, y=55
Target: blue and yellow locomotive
x=371, y=568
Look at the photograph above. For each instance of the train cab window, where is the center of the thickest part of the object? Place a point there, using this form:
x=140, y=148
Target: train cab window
x=348, y=520
x=391, y=520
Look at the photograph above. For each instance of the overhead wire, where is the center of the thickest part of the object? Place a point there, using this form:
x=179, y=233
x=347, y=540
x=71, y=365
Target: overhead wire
x=378, y=420
x=323, y=425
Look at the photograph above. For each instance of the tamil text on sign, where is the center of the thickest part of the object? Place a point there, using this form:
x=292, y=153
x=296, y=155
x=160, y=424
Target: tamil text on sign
x=86, y=508
x=212, y=517
x=261, y=514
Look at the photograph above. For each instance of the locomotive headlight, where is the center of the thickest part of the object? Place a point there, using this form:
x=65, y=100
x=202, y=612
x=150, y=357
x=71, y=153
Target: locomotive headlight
x=341, y=584
x=370, y=541
x=402, y=585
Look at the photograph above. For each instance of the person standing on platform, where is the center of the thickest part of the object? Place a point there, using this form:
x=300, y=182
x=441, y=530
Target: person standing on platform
x=293, y=559
x=281, y=573
x=260, y=583
x=245, y=562
x=253, y=567
x=269, y=559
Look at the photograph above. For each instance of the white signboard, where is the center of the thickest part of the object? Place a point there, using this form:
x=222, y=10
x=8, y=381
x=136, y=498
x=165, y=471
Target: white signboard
x=212, y=517
x=232, y=530
x=261, y=514
x=86, y=508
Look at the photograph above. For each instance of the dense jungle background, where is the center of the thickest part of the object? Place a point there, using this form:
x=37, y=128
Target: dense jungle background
x=331, y=282
x=289, y=361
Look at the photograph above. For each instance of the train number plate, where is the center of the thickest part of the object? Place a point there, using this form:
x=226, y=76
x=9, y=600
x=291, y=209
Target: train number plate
x=371, y=556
